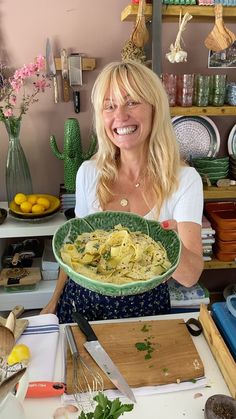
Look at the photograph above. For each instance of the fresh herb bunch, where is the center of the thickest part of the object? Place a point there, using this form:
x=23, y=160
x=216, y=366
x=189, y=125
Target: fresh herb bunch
x=107, y=409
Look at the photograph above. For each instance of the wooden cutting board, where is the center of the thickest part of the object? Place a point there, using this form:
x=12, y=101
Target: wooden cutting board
x=174, y=357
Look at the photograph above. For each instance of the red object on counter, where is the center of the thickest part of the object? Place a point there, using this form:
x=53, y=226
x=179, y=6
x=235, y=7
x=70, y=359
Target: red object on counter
x=137, y=1
x=40, y=389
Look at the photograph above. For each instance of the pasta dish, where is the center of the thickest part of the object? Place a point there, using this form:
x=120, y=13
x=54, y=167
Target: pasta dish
x=117, y=256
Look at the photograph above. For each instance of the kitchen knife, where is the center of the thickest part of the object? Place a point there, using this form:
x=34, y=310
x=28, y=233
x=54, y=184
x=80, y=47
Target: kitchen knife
x=65, y=76
x=51, y=69
x=101, y=357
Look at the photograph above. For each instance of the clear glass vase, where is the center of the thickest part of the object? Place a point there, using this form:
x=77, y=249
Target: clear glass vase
x=18, y=178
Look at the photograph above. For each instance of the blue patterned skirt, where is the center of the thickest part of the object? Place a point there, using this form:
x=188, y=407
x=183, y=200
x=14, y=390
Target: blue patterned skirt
x=96, y=306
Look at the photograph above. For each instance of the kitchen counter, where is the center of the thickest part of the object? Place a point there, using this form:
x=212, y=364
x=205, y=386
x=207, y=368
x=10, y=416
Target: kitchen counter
x=181, y=404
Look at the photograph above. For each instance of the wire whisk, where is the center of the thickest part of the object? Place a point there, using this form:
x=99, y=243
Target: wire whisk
x=86, y=382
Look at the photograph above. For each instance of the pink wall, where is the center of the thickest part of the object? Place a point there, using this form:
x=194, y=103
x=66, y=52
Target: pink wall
x=90, y=27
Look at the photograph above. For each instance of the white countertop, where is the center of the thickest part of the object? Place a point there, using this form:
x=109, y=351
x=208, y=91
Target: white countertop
x=177, y=405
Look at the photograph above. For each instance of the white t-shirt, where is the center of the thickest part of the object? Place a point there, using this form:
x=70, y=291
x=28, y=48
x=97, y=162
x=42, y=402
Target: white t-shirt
x=186, y=204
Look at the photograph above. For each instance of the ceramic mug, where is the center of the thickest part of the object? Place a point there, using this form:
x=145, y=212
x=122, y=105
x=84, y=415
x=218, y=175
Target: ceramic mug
x=11, y=406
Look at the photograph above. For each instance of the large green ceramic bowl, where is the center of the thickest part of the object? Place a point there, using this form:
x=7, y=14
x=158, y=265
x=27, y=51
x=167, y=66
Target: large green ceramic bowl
x=106, y=220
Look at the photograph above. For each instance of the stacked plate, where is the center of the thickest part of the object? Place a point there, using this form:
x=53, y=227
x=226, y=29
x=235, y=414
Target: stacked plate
x=232, y=167
x=212, y=169
x=198, y=136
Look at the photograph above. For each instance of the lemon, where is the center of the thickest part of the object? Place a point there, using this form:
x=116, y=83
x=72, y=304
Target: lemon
x=26, y=206
x=32, y=199
x=19, y=353
x=38, y=209
x=44, y=202
x=19, y=198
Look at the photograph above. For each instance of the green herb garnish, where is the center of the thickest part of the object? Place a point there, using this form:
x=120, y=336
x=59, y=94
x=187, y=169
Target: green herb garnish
x=145, y=346
x=107, y=409
x=145, y=328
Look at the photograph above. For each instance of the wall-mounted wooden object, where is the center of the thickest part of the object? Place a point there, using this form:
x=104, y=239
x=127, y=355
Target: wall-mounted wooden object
x=87, y=63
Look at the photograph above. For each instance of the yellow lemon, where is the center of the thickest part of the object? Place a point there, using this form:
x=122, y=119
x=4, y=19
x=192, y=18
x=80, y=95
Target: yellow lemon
x=19, y=198
x=19, y=353
x=26, y=206
x=32, y=199
x=44, y=202
x=38, y=209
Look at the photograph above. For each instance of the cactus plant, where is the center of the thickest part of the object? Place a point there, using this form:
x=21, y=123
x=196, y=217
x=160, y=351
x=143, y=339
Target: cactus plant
x=73, y=154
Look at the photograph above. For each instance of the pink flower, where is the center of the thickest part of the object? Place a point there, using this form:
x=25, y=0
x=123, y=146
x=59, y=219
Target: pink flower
x=40, y=85
x=15, y=83
x=8, y=112
x=12, y=100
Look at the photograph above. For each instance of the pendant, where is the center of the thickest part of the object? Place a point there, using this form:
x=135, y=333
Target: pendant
x=124, y=202
x=137, y=185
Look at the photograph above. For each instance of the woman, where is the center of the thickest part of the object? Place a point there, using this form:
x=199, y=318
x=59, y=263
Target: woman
x=137, y=168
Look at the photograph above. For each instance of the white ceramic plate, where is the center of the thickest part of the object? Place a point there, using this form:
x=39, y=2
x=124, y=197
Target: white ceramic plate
x=198, y=136
x=232, y=141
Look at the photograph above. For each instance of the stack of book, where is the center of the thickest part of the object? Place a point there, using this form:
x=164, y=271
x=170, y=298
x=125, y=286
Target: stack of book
x=187, y=299
x=208, y=238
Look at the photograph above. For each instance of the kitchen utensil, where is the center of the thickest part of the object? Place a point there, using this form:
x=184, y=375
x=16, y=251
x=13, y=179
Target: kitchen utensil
x=65, y=76
x=174, y=356
x=75, y=76
x=101, y=357
x=51, y=69
x=220, y=37
x=140, y=34
x=86, y=381
x=41, y=389
x=7, y=339
x=107, y=220
x=7, y=385
x=20, y=324
x=11, y=406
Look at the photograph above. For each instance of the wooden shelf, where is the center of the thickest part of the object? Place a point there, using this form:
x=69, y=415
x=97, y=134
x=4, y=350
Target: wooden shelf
x=170, y=12
x=218, y=264
x=208, y=110
x=213, y=192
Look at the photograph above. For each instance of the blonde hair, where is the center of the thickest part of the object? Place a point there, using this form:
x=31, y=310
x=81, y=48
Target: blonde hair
x=163, y=159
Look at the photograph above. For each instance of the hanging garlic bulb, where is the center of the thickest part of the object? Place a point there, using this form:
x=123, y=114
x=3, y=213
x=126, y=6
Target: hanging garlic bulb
x=177, y=54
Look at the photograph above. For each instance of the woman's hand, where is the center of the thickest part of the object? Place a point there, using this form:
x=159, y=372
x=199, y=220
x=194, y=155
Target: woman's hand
x=169, y=225
x=191, y=261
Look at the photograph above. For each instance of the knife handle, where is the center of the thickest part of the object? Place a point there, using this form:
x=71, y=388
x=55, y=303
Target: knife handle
x=76, y=99
x=84, y=326
x=56, y=97
x=66, y=90
x=38, y=389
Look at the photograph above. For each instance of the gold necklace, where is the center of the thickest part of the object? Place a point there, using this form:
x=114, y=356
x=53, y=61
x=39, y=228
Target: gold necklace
x=124, y=202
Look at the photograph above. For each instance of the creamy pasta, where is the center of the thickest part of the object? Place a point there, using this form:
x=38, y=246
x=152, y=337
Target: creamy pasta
x=117, y=256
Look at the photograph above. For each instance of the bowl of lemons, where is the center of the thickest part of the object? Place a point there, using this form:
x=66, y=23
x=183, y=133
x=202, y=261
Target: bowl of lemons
x=33, y=206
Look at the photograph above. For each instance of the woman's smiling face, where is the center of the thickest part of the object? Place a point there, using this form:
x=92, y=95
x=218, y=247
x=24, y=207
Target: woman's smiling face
x=127, y=123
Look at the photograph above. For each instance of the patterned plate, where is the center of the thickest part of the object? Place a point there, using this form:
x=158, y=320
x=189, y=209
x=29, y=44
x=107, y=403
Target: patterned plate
x=198, y=136
x=232, y=141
